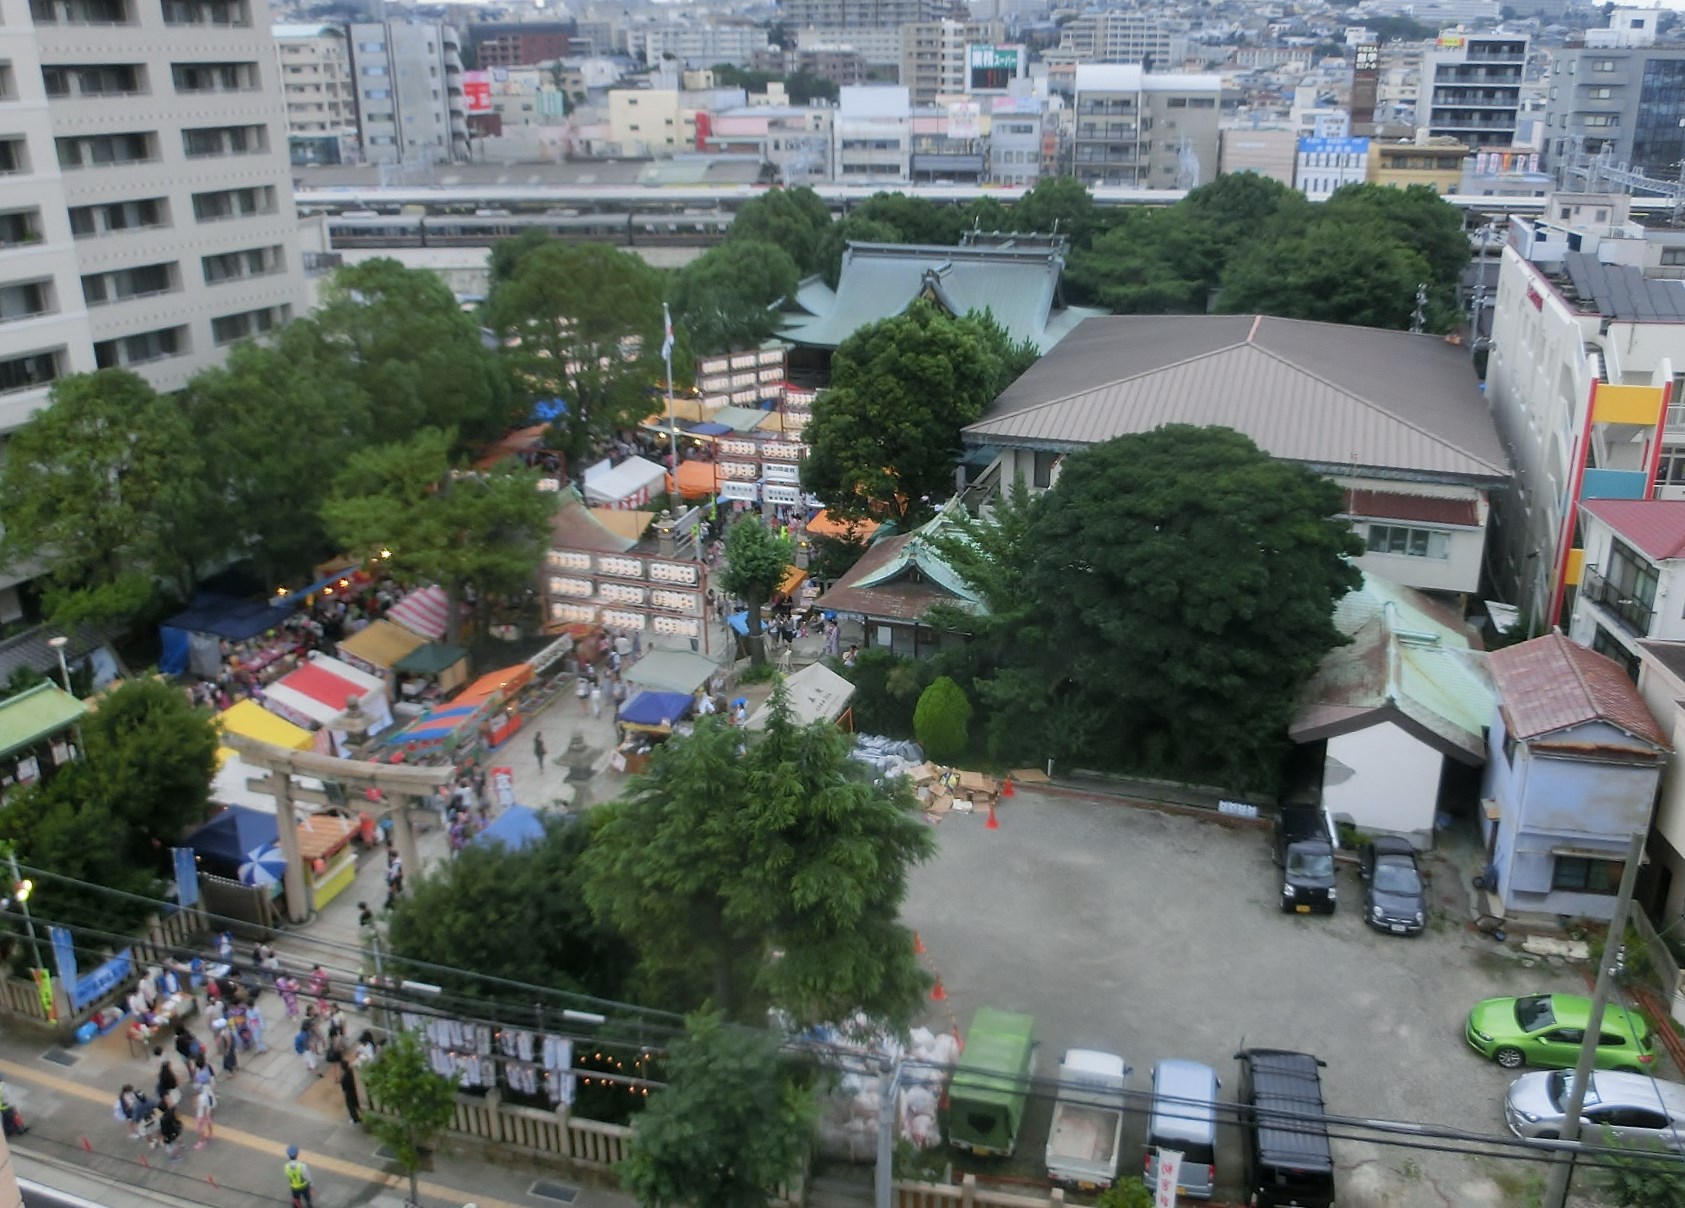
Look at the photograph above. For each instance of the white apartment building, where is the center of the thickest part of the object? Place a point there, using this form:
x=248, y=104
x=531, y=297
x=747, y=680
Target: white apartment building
x=410, y=106
x=146, y=211
x=320, y=95
x=1142, y=130
x=872, y=135
x=650, y=121
x=696, y=44
x=1127, y=37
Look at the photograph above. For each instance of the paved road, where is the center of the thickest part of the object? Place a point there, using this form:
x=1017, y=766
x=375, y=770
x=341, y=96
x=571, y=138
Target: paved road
x=1156, y=935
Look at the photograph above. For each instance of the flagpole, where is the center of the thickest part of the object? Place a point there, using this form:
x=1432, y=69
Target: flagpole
x=672, y=423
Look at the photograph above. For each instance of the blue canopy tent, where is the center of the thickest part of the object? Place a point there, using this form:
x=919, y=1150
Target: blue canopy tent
x=516, y=827
x=709, y=428
x=655, y=710
x=224, y=843
x=437, y=726
x=739, y=622
x=192, y=636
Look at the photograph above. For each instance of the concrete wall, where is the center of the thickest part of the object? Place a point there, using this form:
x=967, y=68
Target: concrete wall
x=1383, y=779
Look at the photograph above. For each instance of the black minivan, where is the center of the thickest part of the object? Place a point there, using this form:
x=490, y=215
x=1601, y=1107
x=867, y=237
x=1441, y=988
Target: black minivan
x=1286, y=1149
x=1304, y=849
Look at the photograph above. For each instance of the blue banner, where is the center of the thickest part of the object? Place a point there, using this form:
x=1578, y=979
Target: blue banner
x=102, y=980
x=187, y=877
x=64, y=955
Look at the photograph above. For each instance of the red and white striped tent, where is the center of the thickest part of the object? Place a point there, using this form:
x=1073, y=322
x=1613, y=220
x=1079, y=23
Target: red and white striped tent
x=425, y=611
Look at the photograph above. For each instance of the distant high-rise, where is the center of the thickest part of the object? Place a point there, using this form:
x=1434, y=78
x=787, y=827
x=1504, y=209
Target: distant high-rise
x=871, y=14
x=1620, y=97
x=320, y=95
x=1471, y=88
x=410, y=106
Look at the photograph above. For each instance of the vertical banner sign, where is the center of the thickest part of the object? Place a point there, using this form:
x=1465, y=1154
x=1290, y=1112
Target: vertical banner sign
x=49, y=1002
x=187, y=877
x=1166, y=1172
x=64, y=956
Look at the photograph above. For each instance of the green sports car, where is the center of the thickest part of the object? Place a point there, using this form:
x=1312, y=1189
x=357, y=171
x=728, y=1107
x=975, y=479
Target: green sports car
x=1546, y=1029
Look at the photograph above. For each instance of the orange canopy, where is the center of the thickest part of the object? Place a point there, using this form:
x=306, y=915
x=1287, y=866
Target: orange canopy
x=507, y=681
x=696, y=479
x=827, y=525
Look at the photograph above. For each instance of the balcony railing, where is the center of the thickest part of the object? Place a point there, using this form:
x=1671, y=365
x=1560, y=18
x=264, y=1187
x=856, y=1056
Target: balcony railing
x=1633, y=614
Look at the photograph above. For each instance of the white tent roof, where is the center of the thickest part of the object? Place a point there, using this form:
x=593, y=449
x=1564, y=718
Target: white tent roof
x=816, y=694
x=666, y=670
x=611, y=484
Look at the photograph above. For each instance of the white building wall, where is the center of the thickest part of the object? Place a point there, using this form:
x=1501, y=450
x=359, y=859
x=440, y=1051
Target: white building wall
x=1663, y=693
x=1383, y=779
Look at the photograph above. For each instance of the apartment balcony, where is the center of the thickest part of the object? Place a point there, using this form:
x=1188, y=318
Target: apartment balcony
x=1633, y=615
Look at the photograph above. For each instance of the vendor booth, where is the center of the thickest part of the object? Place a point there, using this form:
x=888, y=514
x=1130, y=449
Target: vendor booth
x=426, y=611
x=318, y=693
x=646, y=720
x=516, y=827
x=379, y=647
x=697, y=480
x=488, y=711
x=192, y=639
x=501, y=690
x=815, y=693
x=231, y=785
x=431, y=671
x=666, y=670
x=37, y=734
x=630, y=484
x=244, y=844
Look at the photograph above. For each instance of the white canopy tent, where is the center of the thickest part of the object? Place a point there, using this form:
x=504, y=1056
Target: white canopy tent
x=816, y=694
x=629, y=484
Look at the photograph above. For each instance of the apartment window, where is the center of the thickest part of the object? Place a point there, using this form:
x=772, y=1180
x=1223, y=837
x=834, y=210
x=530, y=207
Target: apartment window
x=14, y=156
x=1582, y=874
x=386, y=115
x=235, y=266
x=374, y=71
x=214, y=77
x=28, y=372
x=26, y=299
x=112, y=217
x=228, y=328
x=79, y=12
x=19, y=227
x=203, y=141
x=1600, y=94
x=377, y=94
x=207, y=12
x=233, y=203
x=1410, y=542
x=1604, y=65
x=141, y=349
x=371, y=48
x=104, y=150
x=145, y=281
x=1602, y=119
x=114, y=79
x=1176, y=102
x=8, y=82
x=1041, y=475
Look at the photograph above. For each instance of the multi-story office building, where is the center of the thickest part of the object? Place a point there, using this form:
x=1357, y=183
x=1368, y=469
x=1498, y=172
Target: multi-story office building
x=696, y=44
x=316, y=84
x=877, y=47
x=1470, y=88
x=865, y=14
x=934, y=58
x=838, y=64
x=1621, y=97
x=1015, y=141
x=872, y=136
x=410, y=107
x=522, y=43
x=146, y=213
x=1142, y=130
x=1127, y=37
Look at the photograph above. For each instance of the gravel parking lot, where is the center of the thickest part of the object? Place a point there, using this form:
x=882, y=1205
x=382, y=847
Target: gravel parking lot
x=1157, y=935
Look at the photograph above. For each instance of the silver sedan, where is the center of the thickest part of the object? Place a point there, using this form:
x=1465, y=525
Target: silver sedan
x=1634, y=1107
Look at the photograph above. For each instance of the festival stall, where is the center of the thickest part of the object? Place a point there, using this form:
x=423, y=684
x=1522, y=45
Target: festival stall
x=192, y=640
x=667, y=670
x=330, y=862
x=697, y=480
x=231, y=785
x=501, y=690
x=815, y=693
x=488, y=711
x=426, y=611
x=244, y=844
x=516, y=827
x=432, y=671
x=321, y=690
x=630, y=484
x=646, y=720
x=378, y=648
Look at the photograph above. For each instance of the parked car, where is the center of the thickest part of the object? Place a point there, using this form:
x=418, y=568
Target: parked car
x=1393, y=898
x=1286, y=1149
x=1635, y=1107
x=1546, y=1029
x=1304, y=850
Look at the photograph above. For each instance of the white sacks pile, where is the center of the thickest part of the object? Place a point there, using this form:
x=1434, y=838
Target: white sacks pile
x=849, y=1119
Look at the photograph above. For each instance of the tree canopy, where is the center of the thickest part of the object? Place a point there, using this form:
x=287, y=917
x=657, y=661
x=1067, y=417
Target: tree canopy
x=412, y=1102
x=756, y=561
x=727, y=298
x=728, y=1130
x=1337, y=271
x=583, y=324
x=766, y=876
x=885, y=435
x=793, y=219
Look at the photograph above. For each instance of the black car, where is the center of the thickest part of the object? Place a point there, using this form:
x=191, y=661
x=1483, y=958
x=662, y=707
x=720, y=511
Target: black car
x=1304, y=850
x=1393, y=898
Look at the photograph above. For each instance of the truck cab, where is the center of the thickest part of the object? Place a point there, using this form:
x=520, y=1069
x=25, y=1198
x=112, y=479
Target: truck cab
x=1087, y=1128
x=1304, y=847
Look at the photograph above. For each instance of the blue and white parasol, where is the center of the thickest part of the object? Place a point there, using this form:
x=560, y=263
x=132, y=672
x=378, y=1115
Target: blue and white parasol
x=265, y=866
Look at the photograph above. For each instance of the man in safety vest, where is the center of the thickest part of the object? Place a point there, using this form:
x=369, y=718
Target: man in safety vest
x=298, y=1179
x=10, y=1122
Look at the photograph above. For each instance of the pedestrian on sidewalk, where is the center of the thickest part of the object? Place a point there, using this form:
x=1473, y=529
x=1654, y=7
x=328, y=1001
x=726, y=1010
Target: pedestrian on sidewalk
x=298, y=1179
x=11, y=1124
x=305, y=1043
x=583, y=692
x=538, y=750
x=348, y=1087
x=255, y=1027
x=169, y=1131
x=204, y=1105
x=287, y=986
x=596, y=700
x=394, y=880
x=228, y=1046
x=128, y=1110
x=168, y=1085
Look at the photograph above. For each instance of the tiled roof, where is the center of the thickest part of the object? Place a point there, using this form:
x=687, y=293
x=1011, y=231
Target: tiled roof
x=900, y=578
x=1339, y=398
x=1425, y=509
x=1551, y=684
x=1655, y=526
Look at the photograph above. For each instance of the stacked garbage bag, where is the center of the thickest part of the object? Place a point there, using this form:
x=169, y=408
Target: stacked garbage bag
x=887, y=756
x=850, y=1112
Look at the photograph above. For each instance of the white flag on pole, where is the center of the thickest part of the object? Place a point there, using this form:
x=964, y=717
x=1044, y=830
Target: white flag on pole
x=667, y=329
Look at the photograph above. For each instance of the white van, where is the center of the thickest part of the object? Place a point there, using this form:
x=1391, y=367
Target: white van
x=1184, y=1119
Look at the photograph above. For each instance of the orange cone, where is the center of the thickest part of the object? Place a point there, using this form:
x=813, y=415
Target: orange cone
x=938, y=994
x=918, y=945
x=993, y=823
x=1006, y=789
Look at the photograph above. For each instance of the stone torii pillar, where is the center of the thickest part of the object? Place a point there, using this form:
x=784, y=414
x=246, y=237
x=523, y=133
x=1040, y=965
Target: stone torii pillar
x=398, y=785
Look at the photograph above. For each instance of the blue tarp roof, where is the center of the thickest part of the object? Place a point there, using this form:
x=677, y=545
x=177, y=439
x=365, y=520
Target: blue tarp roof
x=440, y=724
x=709, y=428
x=739, y=622
x=225, y=840
x=654, y=708
x=516, y=827
x=231, y=618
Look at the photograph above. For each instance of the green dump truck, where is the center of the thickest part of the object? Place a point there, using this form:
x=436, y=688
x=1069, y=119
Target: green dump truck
x=991, y=1083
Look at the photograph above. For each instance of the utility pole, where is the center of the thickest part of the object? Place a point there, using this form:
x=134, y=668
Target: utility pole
x=21, y=889
x=1562, y=1168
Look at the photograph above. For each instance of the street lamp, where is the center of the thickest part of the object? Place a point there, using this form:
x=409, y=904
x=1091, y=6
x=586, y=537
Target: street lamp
x=58, y=644
x=21, y=889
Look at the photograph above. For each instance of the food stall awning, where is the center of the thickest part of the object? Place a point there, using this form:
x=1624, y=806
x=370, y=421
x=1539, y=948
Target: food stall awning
x=251, y=720
x=425, y=611
x=824, y=524
x=321, y=835
x=793, y=577
x=664, y=670
x=438, y=725
x=430, y=659
x=320, y=689
x=696, y=479
x=816, y=693
x=516, y=827
x=655, y=711
x=382, y=644
x=632, y=480
x=739, y=419
x=710, y=428
x=36, y=714
x=505, y=680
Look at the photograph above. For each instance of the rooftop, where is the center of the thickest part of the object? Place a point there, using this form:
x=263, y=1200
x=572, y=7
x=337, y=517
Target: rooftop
x=1552, y=684
x=901, y=578
x=1656, y=527
x=34, y=714
x=1620, y=291
x=1337, y=398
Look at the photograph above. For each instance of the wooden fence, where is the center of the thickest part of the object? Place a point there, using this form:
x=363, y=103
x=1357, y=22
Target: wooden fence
x=967, y=1194
x=165, y=936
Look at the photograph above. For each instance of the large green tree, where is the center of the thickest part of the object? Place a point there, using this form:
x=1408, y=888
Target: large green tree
x=793, y=219
x=1149, y=261
x=1057, y=205
x=102, y=487
x=756, y=561
x=484, y=529
x=412, y=1103
x=730, y=1128
x=1337, y=271
x=767, y=876
x=535, y=892
x=886, y=434
x=582, y=323
x=411, y=349
x=914, y=219
x=727, y=298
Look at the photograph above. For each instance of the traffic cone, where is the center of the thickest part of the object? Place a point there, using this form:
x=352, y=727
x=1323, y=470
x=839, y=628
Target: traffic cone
x=938, y=994
x=1006, y=789
x=918, y=945
x=993, y=823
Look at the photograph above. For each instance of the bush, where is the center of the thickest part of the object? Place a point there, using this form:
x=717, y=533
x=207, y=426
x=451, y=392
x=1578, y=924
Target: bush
x=886, y=691
x=942, y=720
x=1126, y=1193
